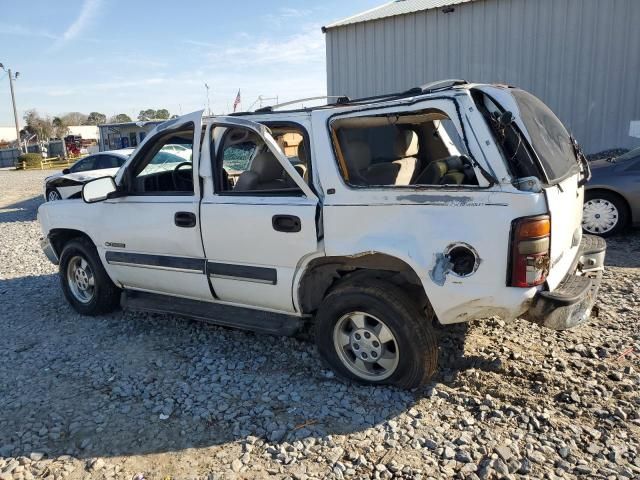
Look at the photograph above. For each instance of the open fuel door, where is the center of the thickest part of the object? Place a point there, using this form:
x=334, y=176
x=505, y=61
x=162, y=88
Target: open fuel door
x=258, y=215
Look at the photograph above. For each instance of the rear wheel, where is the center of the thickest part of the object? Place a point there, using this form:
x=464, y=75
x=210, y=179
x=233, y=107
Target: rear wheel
x=604, y=214
x=53, y=195
x=85, y=282
x=371, y=332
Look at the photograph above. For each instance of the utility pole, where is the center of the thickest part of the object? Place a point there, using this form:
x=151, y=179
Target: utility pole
x=13, y=77
x=208, y=104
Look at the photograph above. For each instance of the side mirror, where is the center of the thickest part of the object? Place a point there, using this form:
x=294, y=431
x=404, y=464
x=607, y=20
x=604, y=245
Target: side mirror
x=98, y=190
x=66, y=171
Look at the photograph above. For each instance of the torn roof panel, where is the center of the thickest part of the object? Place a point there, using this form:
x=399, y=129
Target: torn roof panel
x=391, y=9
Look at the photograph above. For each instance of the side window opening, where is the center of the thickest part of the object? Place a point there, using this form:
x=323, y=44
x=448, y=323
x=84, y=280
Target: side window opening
x=414, y=149
x=246, y=164
x=165, y=169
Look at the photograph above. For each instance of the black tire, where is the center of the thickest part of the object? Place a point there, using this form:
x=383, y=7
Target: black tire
x=619, y=204
x=54, y=191
x=105, y=296
x=417, y=346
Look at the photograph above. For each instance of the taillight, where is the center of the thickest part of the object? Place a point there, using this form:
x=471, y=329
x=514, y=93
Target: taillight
x=530, y=243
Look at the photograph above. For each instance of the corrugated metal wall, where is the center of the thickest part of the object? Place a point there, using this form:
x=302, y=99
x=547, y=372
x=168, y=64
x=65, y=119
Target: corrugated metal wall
x=581, y=57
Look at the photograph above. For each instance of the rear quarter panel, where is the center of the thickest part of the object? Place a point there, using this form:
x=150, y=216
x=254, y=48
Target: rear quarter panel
x=418, y=227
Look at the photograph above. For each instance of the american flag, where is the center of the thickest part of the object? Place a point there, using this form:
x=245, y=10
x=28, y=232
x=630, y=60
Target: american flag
x=237, y=101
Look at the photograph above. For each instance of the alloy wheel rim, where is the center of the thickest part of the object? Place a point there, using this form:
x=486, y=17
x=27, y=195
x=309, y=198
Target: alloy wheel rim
x=81, y=279
x=600, y=216
x=53, y=196
x=366, y=346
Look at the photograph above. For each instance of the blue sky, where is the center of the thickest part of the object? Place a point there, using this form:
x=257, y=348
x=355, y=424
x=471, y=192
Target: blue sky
x=119, y=56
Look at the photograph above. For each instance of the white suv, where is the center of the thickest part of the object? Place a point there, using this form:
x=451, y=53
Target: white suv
x=366, y=219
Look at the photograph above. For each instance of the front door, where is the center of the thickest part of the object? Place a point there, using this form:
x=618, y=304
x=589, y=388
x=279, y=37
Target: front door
x=258, y=213
x=150, y=239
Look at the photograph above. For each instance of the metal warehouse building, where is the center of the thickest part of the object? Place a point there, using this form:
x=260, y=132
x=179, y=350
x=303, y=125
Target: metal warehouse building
x=581, y=57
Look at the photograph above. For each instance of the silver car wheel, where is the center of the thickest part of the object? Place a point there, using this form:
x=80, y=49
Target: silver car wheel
x=53, y=195
x=600, y=216
x=80, y=279
x=366, y=346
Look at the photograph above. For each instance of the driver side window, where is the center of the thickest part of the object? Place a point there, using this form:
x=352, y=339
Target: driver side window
x=166, y=168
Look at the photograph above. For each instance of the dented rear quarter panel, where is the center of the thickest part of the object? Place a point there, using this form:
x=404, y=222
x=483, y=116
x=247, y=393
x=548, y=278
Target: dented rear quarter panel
x=419, y=227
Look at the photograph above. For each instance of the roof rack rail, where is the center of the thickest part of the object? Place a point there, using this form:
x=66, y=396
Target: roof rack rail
x=340, y=99
x=344, y=100
x=434, y=86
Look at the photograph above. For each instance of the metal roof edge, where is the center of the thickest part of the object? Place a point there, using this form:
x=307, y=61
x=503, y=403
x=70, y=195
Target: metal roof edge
x=340, y=23
x=364, y=17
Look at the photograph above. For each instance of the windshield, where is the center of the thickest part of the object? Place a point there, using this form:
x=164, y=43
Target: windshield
x=630, y=155
x=549, y=137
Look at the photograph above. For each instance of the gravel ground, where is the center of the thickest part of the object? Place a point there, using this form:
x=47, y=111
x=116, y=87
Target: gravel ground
x=130, y=395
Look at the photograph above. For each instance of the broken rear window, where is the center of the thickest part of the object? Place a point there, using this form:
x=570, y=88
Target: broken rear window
x=549, y=137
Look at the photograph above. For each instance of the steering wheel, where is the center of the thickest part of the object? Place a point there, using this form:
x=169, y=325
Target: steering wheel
x=182, y=178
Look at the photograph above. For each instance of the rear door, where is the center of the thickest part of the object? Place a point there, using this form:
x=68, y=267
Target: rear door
x=558, y=170
x=565, y=201
x=258, y=216
x=554, y=149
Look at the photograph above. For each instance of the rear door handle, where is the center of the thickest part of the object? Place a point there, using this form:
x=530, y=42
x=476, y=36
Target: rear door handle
x=286, y=223
x=185, y=219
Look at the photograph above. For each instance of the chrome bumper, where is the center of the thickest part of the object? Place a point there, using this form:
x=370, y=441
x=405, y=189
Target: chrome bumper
x=49, y=251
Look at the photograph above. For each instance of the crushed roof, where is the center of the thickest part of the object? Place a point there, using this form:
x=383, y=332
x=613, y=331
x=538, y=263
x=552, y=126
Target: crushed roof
x=391, y=9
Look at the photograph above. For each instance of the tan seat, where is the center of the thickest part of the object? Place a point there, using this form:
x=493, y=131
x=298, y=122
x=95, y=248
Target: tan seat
x=265, y=173
x=446, y=171
x=397, y=172
x=406, y=152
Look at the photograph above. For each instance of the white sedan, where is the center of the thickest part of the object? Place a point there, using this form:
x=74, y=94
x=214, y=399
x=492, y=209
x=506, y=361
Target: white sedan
x=68, y=183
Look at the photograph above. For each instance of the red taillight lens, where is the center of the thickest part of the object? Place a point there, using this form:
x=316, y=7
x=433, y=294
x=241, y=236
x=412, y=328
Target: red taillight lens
x=530, y=244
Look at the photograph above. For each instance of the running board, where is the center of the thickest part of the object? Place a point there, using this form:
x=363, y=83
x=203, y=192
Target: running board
x=216, y=313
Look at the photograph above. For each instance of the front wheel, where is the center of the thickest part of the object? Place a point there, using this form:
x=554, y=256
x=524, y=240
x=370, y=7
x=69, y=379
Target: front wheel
x=53, y=195
x=371, y=332
x=84, y=281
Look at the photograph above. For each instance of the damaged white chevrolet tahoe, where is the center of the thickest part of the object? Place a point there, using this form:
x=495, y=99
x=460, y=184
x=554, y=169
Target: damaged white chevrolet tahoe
x=366, y=220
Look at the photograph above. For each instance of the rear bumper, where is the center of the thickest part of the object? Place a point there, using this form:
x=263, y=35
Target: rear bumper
x=570, y=304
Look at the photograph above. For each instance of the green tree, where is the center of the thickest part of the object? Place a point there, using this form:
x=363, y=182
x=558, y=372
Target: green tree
x=162, y=114
x=74, y=118
x=60, y=129
x=148, y=114
x=42, y=127
x=96, y=118
x=120, y=118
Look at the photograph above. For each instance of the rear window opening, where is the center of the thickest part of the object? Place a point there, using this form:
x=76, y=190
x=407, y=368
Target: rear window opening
x=550, y=156
x=414, y=149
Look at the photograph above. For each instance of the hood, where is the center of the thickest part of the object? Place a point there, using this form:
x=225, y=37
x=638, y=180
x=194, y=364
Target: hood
x=601, y=164
x=55, y=175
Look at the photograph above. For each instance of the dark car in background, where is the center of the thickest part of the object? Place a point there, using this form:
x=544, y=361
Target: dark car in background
x=612, y=198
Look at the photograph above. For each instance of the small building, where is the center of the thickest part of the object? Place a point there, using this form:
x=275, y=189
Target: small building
x=581, y=57
x=87, y=132
x=114, y=136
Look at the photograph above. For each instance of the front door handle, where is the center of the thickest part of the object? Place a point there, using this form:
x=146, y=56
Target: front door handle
x=286, y=223
x=185, y=219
